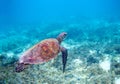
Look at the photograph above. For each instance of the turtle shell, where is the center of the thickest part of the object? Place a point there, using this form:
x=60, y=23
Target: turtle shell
x=41, y=52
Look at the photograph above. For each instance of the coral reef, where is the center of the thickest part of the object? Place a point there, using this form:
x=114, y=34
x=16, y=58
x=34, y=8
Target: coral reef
x=93, y=55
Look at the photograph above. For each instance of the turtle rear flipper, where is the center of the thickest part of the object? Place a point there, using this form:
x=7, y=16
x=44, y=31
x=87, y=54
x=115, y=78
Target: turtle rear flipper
x=64, y=57
x=20, y=67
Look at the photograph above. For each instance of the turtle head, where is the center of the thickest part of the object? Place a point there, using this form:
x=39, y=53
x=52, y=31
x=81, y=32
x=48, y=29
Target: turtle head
x=61, y=36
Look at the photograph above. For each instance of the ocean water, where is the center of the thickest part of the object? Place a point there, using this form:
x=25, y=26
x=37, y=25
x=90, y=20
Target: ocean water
x=93, y=40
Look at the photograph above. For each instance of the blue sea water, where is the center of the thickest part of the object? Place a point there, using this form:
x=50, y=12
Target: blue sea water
x=93, y=40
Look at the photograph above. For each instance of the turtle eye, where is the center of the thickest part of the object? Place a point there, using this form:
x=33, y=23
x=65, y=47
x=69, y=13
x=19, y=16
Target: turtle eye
x=64, y=35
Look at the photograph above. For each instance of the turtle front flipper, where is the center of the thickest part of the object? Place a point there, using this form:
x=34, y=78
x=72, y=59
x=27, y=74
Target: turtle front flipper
x=20, y=67
x=64, y=57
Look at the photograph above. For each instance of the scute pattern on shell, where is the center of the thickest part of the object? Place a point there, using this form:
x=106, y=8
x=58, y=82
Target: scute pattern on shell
x=41, y=52
x=49, y=48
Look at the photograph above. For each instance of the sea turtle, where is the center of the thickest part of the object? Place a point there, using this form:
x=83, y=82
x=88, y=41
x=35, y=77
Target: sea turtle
x=42, y=52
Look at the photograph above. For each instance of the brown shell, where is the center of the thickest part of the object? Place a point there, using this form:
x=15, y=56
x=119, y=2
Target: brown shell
x=41, y=52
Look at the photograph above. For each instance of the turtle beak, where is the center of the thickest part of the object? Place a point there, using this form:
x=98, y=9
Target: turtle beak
x=64, y=35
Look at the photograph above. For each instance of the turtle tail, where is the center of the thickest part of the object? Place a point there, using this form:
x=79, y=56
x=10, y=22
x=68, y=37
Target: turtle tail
x=20, y=67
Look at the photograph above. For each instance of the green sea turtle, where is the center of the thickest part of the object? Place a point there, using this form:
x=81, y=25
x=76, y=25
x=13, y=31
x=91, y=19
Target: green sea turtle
x=42, y=52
